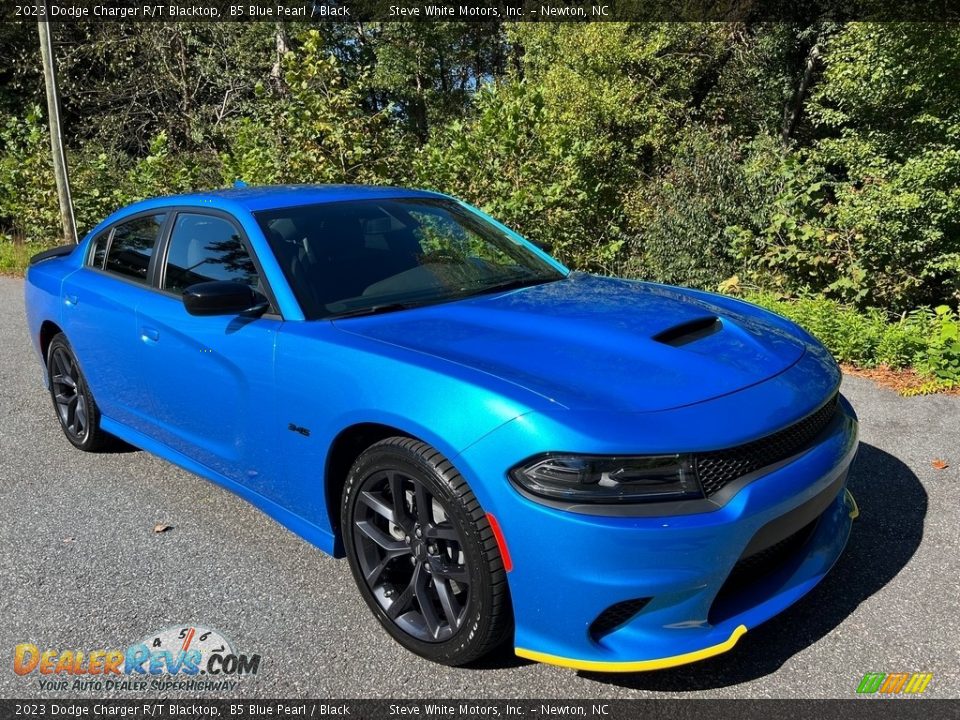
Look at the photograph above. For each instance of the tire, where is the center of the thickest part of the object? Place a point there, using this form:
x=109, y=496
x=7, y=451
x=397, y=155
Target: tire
x=434, y=578
x=73, y=402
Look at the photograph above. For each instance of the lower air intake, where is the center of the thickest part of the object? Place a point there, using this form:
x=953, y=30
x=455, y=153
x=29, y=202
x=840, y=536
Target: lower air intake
x=616, y=615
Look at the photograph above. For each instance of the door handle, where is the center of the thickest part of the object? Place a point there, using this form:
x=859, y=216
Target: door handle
x=70, y=300
x=149, y=333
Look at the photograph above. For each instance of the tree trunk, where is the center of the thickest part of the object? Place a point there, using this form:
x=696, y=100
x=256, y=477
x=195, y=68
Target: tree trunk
x=282, y=46
x=793, y=110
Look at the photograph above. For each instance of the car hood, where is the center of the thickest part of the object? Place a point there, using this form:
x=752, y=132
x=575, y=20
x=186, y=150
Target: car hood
x=595, y=342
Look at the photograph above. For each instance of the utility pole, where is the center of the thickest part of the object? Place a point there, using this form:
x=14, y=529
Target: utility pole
x=53, y=113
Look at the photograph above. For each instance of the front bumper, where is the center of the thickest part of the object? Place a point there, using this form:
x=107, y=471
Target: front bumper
x=568, y=568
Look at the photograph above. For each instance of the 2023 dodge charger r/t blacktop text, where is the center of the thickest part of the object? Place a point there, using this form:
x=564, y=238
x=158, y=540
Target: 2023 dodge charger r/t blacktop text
x=614, y=475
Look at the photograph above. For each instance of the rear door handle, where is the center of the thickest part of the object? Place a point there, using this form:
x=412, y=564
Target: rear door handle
x=71, y=299
x=149, y=333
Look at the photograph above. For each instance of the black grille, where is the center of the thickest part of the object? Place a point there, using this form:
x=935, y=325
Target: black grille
x=716, y=469
x=615, y=616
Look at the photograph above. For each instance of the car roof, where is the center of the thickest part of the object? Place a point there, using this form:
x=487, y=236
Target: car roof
x=268, y=197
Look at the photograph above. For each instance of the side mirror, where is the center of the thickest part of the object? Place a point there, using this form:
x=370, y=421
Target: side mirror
x=222, y=298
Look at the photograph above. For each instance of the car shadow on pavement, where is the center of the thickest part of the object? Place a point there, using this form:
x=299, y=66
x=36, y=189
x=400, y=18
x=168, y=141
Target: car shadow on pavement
x=500, y=659
x=116, y=446
x=893, y=505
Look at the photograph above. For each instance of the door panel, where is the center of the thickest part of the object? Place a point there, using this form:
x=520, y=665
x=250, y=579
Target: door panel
x=211, y=378
x=211, y=383
x=99, y=318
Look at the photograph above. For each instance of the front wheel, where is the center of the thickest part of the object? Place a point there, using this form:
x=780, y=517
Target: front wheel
x=423, y=554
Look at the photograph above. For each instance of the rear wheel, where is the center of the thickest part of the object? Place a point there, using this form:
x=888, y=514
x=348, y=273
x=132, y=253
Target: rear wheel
x=423, y=554
x=73, y=402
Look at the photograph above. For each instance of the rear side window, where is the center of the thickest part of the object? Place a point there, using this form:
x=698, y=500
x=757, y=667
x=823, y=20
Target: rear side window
x=132, y=246
x=205, y=248
x=99, y=249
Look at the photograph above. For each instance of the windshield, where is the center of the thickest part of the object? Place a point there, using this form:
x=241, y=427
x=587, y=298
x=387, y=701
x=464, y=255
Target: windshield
x=364, y=256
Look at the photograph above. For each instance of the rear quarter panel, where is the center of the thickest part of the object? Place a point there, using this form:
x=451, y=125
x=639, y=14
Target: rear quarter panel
x=41, y=290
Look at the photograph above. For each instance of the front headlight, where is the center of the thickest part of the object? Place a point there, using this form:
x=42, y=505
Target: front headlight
x=606, y=479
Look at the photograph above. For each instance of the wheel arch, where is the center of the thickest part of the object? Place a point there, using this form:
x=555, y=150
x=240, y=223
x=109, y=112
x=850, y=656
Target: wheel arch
x=344, y=450
x=48, y=331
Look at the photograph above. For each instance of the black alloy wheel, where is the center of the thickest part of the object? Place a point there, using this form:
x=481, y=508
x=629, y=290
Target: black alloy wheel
x=411, y=556
x=73, y=402
x=423, y=554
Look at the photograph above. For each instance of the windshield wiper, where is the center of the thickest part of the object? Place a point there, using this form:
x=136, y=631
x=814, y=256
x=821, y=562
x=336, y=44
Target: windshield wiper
x=371, y=310
x=469, y=291
x=511, y=284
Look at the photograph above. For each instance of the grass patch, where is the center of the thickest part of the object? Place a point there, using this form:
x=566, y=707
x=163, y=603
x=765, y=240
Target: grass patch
x=15, y=255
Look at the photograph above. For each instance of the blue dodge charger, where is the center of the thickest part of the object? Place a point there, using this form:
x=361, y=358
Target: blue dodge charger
x=611, y=475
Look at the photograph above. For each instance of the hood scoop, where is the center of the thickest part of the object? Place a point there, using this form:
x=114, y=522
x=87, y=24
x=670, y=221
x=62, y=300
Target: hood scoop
x=689, y=331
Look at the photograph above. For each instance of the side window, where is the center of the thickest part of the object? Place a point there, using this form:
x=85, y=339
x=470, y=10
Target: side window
x=98, y=251
x=204, y=248
x=132, y=246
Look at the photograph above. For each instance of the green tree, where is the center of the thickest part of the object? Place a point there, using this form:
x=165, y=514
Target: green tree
x=428, y=75
x=514, y=161
x=317, y=131
x=867, y=212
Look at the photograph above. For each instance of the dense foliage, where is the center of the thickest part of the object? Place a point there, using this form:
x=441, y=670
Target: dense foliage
x=926, y=339
x=821, y=160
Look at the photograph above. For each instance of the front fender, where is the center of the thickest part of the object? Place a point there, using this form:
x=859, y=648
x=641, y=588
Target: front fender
x=329, y=381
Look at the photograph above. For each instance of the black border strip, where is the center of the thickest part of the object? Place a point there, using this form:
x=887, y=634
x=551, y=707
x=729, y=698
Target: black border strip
x=881, y=707
x=478, y=11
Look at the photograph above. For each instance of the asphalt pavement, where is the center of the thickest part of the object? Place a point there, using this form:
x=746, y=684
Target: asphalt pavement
x=81, y=568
